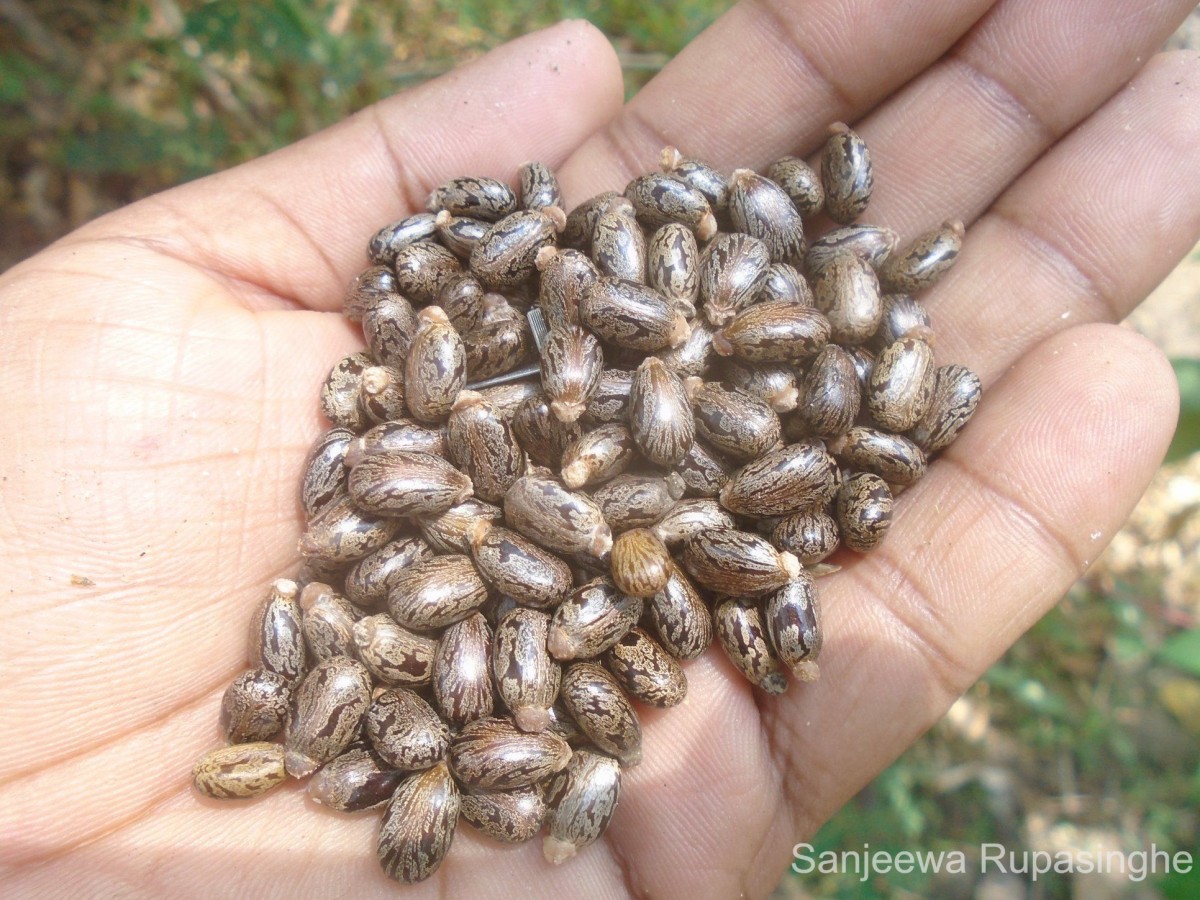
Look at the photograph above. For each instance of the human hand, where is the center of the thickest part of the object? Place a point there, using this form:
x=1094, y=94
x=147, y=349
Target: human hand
x=160, y=368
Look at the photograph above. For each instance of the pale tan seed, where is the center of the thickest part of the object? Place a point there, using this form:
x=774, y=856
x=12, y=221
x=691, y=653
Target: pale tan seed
x=243, y=770
x=641, y=564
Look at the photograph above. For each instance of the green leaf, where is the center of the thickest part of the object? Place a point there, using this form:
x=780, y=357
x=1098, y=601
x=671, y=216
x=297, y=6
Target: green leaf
x=1187, y=432
x=1182, y=651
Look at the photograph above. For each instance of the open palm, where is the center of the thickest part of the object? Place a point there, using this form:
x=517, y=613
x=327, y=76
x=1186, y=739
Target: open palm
x=159, y=371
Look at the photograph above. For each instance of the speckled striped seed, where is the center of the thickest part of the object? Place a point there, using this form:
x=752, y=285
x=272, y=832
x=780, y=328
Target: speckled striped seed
x=810, y=536
x=277, y=633
x=555, y=517
x=776, y=331
x=493, y=754
x=631, y=315
x=450, y=532
x=673, y=266
x=381, y=394
x=527, y=679
x=597, y=456
x=732, y=269
x=737, y=563
x=925, y=260
x=324, y=478
x=418, y=825
x=343, y=533
x=254, y=706
x=783, y=282
x=459, y=234
x=572, y=363
x=461, y=298
x=484, y=447
x=405, y=731
x=436, y=592
x=903, y=317
x=581, y=221
x=793, y=624
x=956, y=392
x=541, y=433
x=600, y=708
x=482, y=198
x=846, y=174
x=506, y=254
x=901, y=386
x=619, y=244
x=508, y=816
x=356, y=780
x=500, y=343
x=390, y=239
x=582, y=800
x=397, y=483
x=519, y=568
x=637, y=501
x=800, y=183
x=773, y=383
x=566, y=275
x=538, y=186
x=423, y=269
x=389, y=327
x=243, y=770
x=645, y=670
x=704, y=472
x=436, y=368
x=462, y=671
x=871, y=243
x=591, y=619
x=788, y=480
x=762, y=209
x=660, y=413
x=894, y=458
x=847, y=291
x=339, y=393
x=610, y=403
x=641, y=564
x=698, y=174
x=326, y=713
x=394, y=655
x=864, y=511
x=658, y=199
x=370, y=286
x=398, y=434
x=743, y=636
x=689, y=517
x=734, y=422
x=681, y=617
x=328, y=621
x=505, y=398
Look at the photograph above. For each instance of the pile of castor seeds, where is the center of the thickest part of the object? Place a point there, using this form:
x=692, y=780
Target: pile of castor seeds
x=495, y=577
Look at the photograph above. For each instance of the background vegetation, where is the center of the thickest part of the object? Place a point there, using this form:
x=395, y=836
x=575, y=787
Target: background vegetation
x=1085, y=735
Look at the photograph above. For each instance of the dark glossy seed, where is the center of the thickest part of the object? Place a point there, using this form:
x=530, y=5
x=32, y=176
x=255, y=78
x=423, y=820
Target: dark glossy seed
x=557, y=518
x=436, y=592
x=737, y=562
x=846, y=174
x=254, y=706
x=394, y=655
x=703, y=471
x=399, y=483
x=956, y=392
x=637, y=501
x=800, y=183
x=243, y=770
x=773, y=383
x=688, y=517
x=398, y=434
x=499, y=345
x=582, y=800
x=581, y=223
x=743, y=636
x=695, y=355
x=610, y=402
x=508, y=816
x=925, y=260
x=519, y=568
x=450, y=532
x=539, y=186
x=460, y=234
x=390, y=239
x=632, y=315
x=871, y=243
x=830, y=394
x=381, y=394
x=732, y=269
x=598, y=455
x=436, y=369
x=864, y=511
x=326, y=713
x=673, y=266
x=505, y=398
x=343, y=533
x=566, y=275
x=903, y=317
x=810, y=536
x=591, y=619
x=481, y=198
x=543, y=436
x=324, y=479
x=405, y=731
x=493, y=754
x=773, y=332
x=571, y=366
x=660, y=414
x=864, y=364
x=641, y=564
x=901, y=386
x=659, y=200
x=461, y=298
x=356, y=780
x=389, y=327
x=762, y=209
x=277, y=633
x=602, y=711
x=462, y=671
x=710, y=182
x=847, y=292
x=895, y=459
x=339, y=393
x=418, y=825
x=793, y=621
x=484, y=447
x=782, y=282
x=564, y=726
x=734, y=422
x=328, y=622
x=788, y=480
x=423, y=269
x=527, y=679
x=505, y=255
x=369, y=287
x=681, y=617
x=619, y=244
x=645, y=670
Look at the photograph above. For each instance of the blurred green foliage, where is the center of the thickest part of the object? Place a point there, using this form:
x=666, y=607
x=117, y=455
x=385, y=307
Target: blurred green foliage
x=1187, y=432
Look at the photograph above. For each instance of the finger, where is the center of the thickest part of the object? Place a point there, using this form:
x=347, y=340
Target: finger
x=295, y=223
x=1086, y=233
x=1009, y=518
x=766, y=79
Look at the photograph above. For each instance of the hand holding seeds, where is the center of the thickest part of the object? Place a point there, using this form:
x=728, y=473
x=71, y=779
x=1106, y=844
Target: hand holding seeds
x=540, y=570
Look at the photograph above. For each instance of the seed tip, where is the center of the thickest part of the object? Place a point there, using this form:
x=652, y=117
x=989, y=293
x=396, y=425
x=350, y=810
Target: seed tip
x=443, y=218
x=544, y=257
x=574, y=474
x=707, y=227
x=556, y=216
x=669, y=158
x=721, y=343
x=567, y=411
x=806, y=670
x=557, y=852
x=787, y=560
x=531, y=719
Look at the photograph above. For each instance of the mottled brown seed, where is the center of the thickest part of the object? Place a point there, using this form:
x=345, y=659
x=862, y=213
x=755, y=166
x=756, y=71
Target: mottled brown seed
x=778, y=331
x=243, y=770
x=637, y=501
x=956, y=392
x=846, y=174
x=369, y=287
x=864, y=364
x=864, y=511
x=673, y=266
x=793, y=621
x=788, y=480
x=901, y=386
x=782, y=282
x=538, y=186
x=462, y=671
x=399, y=483
x=732, y=269
x=566, y=275
x=436, y=592
x=418, y=825
x=903, y=317
x=704, y=472
x=326, y=713
x=660, y=414
x=450, y=532
x=436, y=369
x=870, y=243
x=389, y=240
x=737, y=562
x=343, y=533
x=773, y=383
x=519, y=568
x=925, y=260
x=460, y=234
x=695, y=355
x=572, y=363
x=461, y=298
x=810, y=536
x=398, y=434
x=800, y=183
x=527, y=679
x=645, y=670
x=381, y=394
x=734, y=422
x=505, y=255
x=317, y=569
x=631, y=315
x=598, y=455
x=894, y=458
x=847, y=291
x=591, y=619
x=659, y=199
x=389, y=327
x=499, y=345
x=541, y=433
x=482, y=198
x=339, y=393
x=254, y=706
x=688, y=517
x=619, y=244
x=830, y=394
x=681, y=617
x=405, y=731
x=602, y=711
x=423, y=269
x=610, y=402
x=324, y=478
x=484, y=447
x=700, y=175
x=505, y=398
x=641, y=564
x=328, y=622
x=394, y=655
x=582, y=800
x=743, y=636
x=762, y=209
x=581, y=223
x=356, y=780
x=508, y=816
x=555, y=517
x=493, y=754
x=277, y=633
